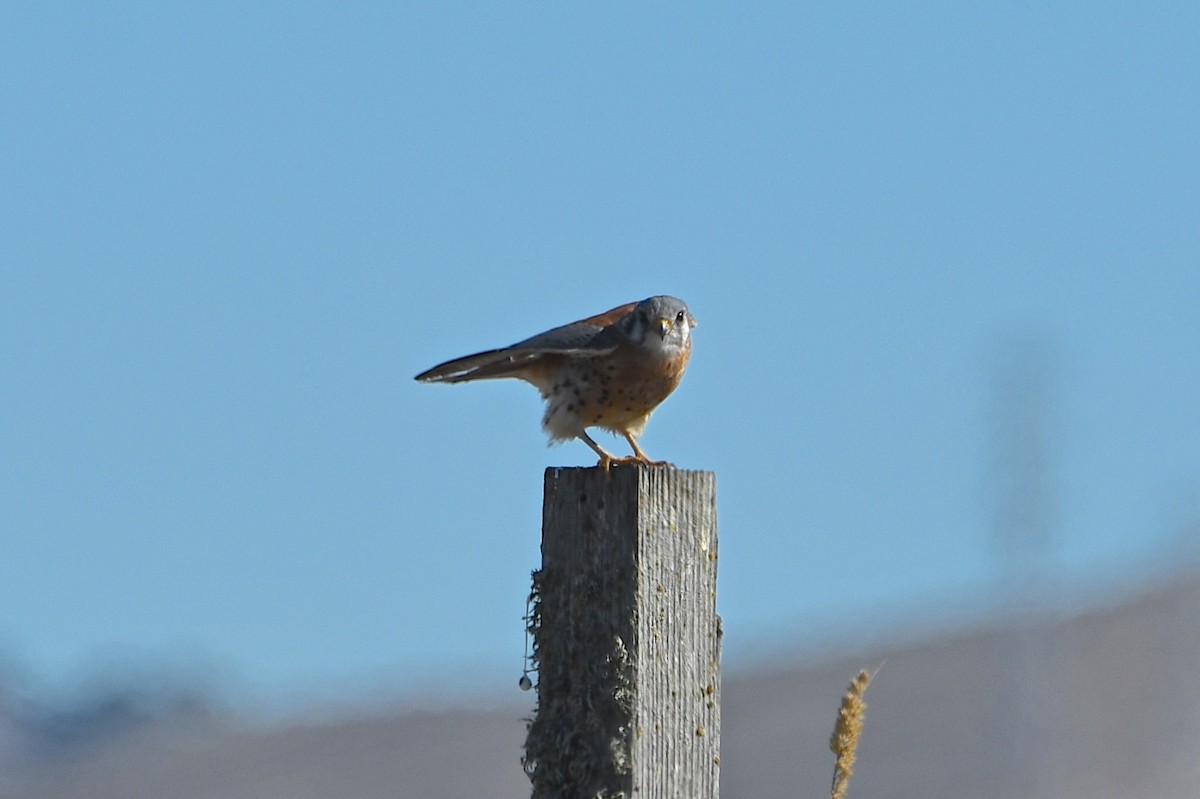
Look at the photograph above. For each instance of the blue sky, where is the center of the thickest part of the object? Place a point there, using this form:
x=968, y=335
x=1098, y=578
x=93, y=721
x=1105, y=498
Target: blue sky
x=231, y=235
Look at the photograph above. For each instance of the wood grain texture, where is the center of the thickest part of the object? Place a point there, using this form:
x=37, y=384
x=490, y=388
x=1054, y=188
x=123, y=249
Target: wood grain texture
x=627, y=636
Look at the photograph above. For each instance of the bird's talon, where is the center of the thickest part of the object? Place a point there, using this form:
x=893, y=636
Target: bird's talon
x=631, y=460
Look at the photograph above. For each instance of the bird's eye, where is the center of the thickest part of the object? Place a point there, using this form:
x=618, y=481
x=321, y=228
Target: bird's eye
x=679, y=317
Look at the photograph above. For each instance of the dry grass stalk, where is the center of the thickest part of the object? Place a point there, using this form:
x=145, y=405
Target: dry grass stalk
x=844, y=741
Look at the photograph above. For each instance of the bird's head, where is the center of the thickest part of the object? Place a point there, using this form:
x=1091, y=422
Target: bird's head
x=660, y=324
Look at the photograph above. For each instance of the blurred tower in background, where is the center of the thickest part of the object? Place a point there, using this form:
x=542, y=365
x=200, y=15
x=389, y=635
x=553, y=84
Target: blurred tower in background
x=1021, y=479
x=1023, y=498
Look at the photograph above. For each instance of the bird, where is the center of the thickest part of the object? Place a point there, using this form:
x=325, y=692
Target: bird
x=608, y=371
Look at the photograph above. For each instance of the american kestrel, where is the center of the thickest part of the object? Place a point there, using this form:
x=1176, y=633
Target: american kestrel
x=608, y=371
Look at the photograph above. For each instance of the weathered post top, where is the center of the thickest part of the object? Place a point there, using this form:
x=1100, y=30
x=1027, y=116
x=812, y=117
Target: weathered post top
x=627, y=639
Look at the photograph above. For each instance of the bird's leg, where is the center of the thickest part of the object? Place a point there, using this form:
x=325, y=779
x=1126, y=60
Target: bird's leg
x=638, y=455
x=606, y=458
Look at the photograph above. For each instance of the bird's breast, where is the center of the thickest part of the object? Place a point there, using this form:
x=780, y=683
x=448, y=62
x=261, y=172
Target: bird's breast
x=616, y=391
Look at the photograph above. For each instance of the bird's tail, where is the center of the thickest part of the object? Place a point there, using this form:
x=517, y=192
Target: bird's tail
x=480, y=366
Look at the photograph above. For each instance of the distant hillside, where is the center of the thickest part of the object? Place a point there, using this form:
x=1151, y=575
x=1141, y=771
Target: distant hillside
x=1106, y=704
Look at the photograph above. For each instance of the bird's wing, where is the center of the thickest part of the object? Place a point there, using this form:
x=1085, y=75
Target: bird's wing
x=587, y=337
x=609, y=318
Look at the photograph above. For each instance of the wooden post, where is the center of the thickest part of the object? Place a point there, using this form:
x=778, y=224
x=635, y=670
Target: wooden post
x=627, y=639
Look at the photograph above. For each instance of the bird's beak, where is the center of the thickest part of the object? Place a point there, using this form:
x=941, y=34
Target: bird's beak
x=664, y=326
